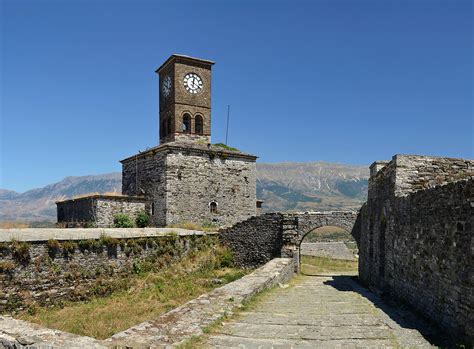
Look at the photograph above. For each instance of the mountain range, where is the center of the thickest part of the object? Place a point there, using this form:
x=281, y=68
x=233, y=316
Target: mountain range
x=314, y=186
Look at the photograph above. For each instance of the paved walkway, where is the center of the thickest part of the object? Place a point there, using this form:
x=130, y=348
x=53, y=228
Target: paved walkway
x=319, y=312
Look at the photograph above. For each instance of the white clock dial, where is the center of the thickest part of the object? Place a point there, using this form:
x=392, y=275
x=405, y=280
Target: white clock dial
x=166, y=86
x=192, y=83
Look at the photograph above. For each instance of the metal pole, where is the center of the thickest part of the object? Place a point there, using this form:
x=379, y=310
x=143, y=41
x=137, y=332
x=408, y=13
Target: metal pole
x=227, y=129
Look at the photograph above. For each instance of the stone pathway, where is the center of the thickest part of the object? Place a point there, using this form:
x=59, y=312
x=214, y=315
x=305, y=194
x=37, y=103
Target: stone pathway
x=318, y=312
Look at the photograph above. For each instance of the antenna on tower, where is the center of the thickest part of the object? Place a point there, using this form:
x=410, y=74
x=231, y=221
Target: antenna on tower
x=227, y=129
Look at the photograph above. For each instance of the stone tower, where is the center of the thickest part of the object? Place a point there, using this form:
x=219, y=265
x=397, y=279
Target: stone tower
x=186, y=178
x=185, y=99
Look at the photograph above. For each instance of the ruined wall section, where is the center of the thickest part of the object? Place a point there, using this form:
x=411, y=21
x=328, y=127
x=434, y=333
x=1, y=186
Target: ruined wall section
x=98, y=210
x=51, y=272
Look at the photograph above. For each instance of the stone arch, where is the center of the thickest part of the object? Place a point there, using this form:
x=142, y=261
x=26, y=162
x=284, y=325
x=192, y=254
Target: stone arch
x=297, y=226
x=186, y=124
x=198, y=124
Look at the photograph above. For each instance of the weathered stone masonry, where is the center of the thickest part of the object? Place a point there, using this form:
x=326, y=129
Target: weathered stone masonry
x=416, y=237
x=98, y=258
x=99, y=210
x=259, y=239
x=183, y=180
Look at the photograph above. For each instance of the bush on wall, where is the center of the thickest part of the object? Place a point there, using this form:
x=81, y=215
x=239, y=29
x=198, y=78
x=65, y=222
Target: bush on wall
x=142, y=220
x=121, y=220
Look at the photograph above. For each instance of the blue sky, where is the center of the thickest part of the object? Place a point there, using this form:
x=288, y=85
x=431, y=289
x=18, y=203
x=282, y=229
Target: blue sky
x=338, y=81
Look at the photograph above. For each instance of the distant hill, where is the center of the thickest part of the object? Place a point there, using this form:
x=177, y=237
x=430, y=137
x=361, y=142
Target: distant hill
x=314, y=186
x=283, y=186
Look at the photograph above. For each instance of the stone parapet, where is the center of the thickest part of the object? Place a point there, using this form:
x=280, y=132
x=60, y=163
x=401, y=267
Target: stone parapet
x=45, y=234
x=168, y=330
x=190, y=319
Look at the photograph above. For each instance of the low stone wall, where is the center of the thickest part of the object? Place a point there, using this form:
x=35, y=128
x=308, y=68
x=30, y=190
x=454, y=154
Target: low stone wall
x=50, y=266
x=335, y=250
x=168, y=330
x=188, y=320
x=256, y=240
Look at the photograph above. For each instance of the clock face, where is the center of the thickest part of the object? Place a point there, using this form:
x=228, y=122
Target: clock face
x=192, y=83
x=166, y=86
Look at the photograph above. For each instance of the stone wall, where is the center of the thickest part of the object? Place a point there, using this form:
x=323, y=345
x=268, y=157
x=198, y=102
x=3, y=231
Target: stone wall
x=182, y=180
x=417, y=235
x=256, y=240
x=144, y=174
x=98, y=210
x=75, y=264
x=272, y=235
x=171, y=329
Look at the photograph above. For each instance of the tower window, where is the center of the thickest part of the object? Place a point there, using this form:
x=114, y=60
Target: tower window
x=152, y=208
x=213, y=207
x=186, y=123
x=199, y=127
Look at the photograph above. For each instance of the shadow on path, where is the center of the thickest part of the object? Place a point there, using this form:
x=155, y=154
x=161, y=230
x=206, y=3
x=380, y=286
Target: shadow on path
x=397, y=312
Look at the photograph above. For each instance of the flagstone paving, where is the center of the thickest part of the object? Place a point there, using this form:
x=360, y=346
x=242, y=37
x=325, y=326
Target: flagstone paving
x=319, y=312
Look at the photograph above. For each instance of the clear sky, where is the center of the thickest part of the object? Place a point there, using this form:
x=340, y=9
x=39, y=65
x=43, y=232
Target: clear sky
x=348, y=81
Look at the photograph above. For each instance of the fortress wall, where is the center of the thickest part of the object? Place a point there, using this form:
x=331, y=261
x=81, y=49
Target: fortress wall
x=256, y=240
x=83, y=262
x=416, y=241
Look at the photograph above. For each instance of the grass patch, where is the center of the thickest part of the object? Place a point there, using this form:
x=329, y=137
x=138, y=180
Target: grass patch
x=315, y=265
x=225, y=146
x=149, y=295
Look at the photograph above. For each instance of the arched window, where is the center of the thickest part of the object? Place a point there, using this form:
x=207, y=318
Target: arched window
x=198, y=126
x=213, y=207
x=186, y=123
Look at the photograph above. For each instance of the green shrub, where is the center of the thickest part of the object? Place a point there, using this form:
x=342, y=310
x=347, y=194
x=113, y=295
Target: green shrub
x=142, y=220
x=109, y=241
x=132, y=247
x=7, y=267
x=225, y=258
x=68, y=248
x=53, y=248
x=90, y=224
x=121, y=220
x=21, y=251
x=85, y=245
x=4, y=248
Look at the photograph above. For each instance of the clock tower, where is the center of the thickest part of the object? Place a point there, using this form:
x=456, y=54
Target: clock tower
x=185, y=99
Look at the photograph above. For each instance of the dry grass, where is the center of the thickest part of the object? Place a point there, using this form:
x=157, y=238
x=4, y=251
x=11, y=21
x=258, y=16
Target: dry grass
x=12, y=224
x=316, y=265
x=111, y=193
x=328, y=233
x=150, y=295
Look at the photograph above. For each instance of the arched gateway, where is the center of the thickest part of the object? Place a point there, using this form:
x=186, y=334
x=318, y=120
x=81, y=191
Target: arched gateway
x=296, y=226
x=270, y=235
